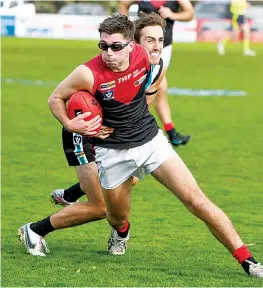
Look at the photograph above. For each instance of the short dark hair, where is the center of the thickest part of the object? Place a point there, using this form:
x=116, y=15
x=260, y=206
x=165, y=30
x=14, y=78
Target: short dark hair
x=145, y=20
x=118, y=23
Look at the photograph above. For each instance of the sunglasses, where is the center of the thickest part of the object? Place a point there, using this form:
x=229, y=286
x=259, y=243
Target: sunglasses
x=114, y=46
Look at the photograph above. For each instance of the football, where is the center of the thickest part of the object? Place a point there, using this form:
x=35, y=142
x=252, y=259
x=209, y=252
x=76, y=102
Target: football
x=81, y=102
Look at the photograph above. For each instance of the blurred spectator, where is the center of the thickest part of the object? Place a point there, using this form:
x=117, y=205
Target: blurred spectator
x=237, y=9
x=212, y=10
x=87, y=8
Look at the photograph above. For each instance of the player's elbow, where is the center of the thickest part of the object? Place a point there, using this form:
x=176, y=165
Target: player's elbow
x=190, y=14
x=52, y=99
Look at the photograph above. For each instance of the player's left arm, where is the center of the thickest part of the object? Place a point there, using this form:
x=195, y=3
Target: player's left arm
x=153, y=89
x=124, y=6
x=186, y=13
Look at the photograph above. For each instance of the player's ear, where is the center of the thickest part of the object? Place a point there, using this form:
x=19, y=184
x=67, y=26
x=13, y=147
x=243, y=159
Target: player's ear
x=131, y=45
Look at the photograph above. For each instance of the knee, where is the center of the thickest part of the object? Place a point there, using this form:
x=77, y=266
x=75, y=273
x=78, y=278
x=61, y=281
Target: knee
x=135, y=180
x=98, y=210
x=101, y=210
x=197, y=204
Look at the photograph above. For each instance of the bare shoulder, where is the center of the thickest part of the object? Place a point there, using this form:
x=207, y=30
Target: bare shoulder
x=83, y=71
x=83, y=75
x=81, y=78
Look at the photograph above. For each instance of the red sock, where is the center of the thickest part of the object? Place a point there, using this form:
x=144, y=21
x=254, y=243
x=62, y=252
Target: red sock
x=126, y=226
x=241, y=254
x=168, y=126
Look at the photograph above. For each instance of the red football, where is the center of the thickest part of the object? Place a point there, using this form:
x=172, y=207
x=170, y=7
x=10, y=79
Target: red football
x=81, y=102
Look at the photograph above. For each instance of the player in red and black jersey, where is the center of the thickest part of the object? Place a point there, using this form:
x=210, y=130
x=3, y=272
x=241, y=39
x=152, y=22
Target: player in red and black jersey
x=117, y=165
x=171, y=10
x=146, y=36
x=149, y=32
x=121, y=94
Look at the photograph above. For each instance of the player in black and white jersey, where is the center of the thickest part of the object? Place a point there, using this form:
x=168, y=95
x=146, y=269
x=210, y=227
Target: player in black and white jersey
x=170, y=10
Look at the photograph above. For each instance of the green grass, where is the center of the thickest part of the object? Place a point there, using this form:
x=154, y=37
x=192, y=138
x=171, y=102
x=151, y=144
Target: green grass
x=169, y=247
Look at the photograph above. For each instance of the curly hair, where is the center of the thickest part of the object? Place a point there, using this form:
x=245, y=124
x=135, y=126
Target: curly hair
x=145, y=20
x=118, y=23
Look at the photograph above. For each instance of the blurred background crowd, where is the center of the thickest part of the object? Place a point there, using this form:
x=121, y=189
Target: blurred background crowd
x=203, y=9
x=211, y=16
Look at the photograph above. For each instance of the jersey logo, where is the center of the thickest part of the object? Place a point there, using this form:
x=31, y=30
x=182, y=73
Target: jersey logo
x=77, y=139
x=109, y=95
x=137, y=72
x=124, y=78
x=139, y=81
x=106, y=86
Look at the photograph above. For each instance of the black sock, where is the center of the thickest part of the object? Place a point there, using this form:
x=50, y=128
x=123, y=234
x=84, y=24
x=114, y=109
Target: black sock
x=245, y=265
x=124, y=234
x=73, y=193
x=42, y=227
x=171, y=132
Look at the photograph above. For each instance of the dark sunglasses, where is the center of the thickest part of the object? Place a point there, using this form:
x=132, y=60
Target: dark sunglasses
x=114, y=46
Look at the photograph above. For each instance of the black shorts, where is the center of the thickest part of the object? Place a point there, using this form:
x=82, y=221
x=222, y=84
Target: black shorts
x=237, y=20
x=78, y=149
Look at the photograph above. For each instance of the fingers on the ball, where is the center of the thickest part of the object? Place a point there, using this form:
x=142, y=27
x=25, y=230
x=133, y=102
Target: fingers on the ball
x=95, y=126
x=84, y=115
x=97, y=118
x=94, y=120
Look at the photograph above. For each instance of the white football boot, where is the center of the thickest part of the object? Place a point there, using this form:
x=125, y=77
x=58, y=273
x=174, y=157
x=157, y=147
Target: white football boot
x=249, y=52
x=35, y=244
x=116, y=244
x=57, y=197
x=255, y=269
x=221, y=49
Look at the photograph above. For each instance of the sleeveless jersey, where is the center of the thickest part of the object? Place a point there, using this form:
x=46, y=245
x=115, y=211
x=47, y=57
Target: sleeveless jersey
x=149, y=6
x=155, y=72
x=121, y=96
x=238, y=7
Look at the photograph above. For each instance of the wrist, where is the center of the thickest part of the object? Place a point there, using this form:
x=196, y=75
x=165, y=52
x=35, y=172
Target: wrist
x=174, y=16
x=67, y=125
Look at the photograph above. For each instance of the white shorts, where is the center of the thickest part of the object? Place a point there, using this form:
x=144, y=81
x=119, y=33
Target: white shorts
x=117, y=165
x=167, y=55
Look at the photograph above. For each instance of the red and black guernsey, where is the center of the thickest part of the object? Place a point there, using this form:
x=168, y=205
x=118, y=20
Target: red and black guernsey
x=149, y=6
x=121, y=96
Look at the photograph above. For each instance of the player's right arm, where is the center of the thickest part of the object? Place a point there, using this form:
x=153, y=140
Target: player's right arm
x=124, y=6
x=80, y=79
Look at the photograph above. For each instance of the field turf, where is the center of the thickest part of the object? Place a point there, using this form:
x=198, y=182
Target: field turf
x=169, y=247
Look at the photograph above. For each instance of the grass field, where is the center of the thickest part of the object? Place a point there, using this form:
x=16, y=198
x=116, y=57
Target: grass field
x=169, y=247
